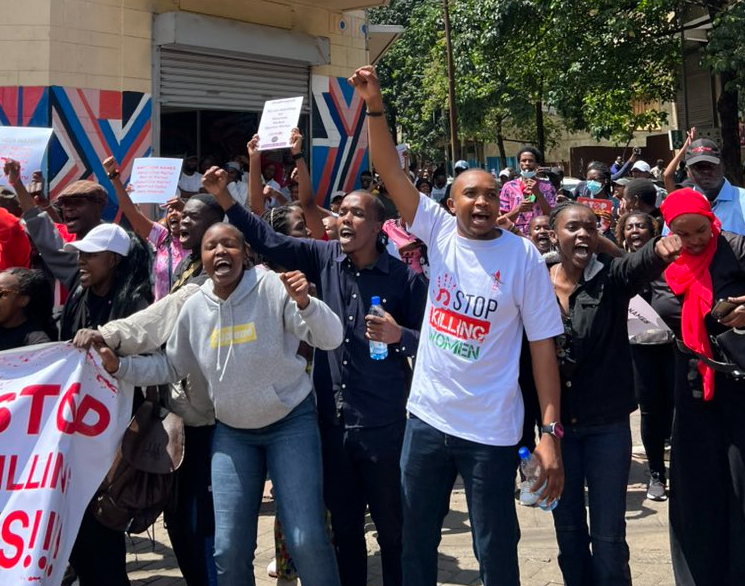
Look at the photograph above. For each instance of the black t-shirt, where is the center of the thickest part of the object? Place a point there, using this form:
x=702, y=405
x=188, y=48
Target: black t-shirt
x=26, y=334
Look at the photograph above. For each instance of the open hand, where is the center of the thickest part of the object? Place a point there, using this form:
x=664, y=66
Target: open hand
x=297, y=287
x=669, y=248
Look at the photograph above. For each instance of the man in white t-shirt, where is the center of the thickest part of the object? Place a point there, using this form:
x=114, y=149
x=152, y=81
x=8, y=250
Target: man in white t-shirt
x=190, y=182
x=487, y=287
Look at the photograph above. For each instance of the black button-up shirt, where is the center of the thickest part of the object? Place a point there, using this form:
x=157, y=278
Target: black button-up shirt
x=352, y=387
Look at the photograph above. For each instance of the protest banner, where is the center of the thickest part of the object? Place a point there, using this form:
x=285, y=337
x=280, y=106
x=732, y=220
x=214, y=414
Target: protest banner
x=401, y=149
x=62, y=418
x=602, y=207
x=25, y=145
x=154, y=180
x=277, y=121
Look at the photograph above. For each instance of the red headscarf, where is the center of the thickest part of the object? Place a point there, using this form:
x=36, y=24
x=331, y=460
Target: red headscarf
x=689, y=276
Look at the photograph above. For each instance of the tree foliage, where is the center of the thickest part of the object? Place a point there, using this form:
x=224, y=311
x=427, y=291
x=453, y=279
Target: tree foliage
x=601, y=66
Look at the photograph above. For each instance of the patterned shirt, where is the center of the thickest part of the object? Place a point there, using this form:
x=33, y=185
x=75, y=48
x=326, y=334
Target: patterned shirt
x=512, y=195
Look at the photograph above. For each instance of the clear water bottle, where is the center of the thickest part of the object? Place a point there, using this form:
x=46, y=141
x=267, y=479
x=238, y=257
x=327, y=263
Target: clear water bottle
x=531, y=468
x=378, y=350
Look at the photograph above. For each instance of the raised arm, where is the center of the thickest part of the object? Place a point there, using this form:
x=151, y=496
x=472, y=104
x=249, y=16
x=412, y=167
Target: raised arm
x=669, y=174
x=291, y=253
x=382, y=149
x=141, y=224
x=313, y=217
x=255, y=188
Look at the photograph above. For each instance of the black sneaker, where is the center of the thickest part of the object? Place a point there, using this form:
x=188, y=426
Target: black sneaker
x=657, y=487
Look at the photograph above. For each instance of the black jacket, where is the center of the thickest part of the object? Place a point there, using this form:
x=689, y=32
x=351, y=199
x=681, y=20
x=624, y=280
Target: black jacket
x=600, y=388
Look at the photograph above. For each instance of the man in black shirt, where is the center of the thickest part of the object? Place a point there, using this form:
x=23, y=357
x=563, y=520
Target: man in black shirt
x=361, y=401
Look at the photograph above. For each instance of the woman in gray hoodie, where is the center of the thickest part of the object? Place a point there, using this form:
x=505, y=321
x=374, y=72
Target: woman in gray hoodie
x=240, y=332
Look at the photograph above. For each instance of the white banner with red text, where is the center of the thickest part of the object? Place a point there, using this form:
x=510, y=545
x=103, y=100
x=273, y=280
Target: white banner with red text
x=62, y=418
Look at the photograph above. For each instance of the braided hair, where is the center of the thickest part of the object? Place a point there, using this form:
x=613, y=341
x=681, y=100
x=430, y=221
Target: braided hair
x=553, y=217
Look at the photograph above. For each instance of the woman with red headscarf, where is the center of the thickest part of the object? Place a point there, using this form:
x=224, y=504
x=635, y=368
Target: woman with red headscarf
x=707, y=502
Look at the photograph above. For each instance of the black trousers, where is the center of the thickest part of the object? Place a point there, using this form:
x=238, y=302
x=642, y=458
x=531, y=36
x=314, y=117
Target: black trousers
x=99, y=555
x=707, y=474
x=361, y=468
x=190, y=520
x=654, y=380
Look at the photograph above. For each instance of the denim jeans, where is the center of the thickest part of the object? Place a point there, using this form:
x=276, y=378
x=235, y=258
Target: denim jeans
x=601, y=456
x=361, y=469
x=430, y=462
x=291, y=452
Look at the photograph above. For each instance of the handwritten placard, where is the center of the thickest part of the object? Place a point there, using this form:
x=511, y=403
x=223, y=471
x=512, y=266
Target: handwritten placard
x=154, y=180
x=25, y=145
x=277, y=121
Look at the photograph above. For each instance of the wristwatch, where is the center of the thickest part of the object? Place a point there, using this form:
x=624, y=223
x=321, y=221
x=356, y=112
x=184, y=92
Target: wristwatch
x=555, y=428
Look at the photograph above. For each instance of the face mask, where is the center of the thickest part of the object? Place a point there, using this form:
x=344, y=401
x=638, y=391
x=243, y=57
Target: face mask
x=594, y=187
x=527, y=174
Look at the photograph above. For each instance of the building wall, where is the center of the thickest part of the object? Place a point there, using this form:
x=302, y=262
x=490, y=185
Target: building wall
x=84, y=66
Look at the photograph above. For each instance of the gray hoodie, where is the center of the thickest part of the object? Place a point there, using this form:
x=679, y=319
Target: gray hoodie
x=245, y=347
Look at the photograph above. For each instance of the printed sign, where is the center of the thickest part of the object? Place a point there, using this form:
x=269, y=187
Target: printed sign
x=277, y=121
x=643, y=319
x=603, y=208
x=401, y=150
x=154, y=180
x=25, y=145
x=62, y=418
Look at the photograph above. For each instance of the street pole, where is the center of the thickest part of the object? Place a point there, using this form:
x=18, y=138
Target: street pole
x=454, y=144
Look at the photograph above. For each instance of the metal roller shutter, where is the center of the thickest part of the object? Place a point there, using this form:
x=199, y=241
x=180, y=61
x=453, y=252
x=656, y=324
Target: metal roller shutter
x=200, y=81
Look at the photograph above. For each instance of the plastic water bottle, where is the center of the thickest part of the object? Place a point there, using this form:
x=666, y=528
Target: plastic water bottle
x=531, y=469
x=378, y=350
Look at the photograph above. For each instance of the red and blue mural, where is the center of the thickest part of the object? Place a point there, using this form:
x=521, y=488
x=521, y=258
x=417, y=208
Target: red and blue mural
x=339, y=137
x=89, y=125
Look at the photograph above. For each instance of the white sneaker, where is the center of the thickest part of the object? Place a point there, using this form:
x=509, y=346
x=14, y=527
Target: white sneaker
x=271, y=569
x=527, y=498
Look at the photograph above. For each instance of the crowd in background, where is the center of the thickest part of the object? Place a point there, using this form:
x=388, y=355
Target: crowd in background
x=505, y=305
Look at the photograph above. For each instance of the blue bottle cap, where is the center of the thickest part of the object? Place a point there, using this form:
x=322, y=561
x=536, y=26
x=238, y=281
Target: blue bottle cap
x=524, y=453
x=375, y=300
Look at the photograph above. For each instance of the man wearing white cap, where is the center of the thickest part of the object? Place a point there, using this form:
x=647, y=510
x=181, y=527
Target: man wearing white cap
x=642, y=170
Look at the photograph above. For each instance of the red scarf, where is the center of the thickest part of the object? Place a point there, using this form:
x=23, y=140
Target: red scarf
x=689, y=276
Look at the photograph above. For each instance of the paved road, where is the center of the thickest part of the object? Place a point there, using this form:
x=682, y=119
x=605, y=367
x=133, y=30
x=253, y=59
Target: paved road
x=647, y=537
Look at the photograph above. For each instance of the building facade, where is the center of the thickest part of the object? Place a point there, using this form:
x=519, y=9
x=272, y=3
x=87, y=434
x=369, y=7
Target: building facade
x=133, y=78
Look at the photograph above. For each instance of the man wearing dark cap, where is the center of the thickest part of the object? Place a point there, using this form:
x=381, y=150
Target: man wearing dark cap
x=81, y=204
x=640, y=195
x=706, y=170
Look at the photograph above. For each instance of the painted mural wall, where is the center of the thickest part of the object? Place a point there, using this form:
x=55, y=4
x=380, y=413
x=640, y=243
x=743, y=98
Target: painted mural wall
x=339, y=137
x=89, y=125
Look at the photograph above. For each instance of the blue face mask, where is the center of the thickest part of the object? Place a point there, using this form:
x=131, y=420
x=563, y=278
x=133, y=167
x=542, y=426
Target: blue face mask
x=594, y=187
x=527, y=174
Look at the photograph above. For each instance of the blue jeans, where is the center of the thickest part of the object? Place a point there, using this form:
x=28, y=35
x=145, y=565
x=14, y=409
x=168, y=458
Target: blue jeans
x=290, y=450
x=601, y=456
x=430, y=462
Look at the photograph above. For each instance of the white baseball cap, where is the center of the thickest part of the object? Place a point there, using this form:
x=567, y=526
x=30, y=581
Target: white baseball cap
x=642, y=166
x=104, y=237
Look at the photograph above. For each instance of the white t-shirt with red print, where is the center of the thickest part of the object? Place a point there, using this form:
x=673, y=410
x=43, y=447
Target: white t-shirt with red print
x=482, y=294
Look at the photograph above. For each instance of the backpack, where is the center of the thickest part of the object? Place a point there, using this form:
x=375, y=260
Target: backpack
x=140, y=482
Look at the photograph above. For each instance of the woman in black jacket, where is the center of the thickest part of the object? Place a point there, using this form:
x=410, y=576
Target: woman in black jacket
x=707, y=467
x=597, y=391
x=113, y=282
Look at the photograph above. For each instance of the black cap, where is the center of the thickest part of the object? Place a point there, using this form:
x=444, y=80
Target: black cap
x=703, y=150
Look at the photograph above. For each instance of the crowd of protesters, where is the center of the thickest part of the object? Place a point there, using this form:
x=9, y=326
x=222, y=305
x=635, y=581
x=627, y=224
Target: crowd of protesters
x=506, y=302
